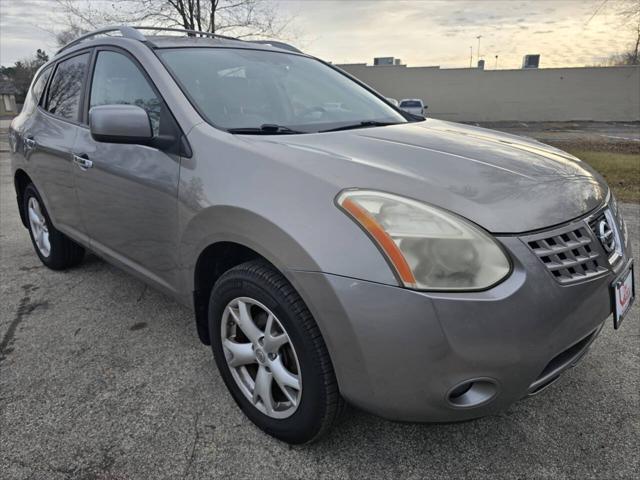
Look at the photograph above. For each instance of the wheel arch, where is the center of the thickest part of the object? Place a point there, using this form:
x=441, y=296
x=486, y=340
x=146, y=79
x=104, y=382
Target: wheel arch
x=212, y=263
x=20, y=180
x=222, y=237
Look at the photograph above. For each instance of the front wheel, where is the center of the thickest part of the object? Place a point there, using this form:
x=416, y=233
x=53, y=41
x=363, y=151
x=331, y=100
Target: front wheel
x=271, y=355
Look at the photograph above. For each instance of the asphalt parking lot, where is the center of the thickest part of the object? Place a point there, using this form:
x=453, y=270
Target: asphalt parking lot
x=104, y=378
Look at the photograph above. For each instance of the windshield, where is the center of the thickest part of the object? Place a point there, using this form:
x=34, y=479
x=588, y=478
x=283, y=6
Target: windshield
x=248, y=89
x=410, y=104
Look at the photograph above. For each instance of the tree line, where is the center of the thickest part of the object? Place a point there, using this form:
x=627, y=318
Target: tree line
x=21, y=73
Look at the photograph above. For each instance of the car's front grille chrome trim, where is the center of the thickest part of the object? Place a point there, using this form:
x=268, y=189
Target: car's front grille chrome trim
x=568, y=254
x=579, y=250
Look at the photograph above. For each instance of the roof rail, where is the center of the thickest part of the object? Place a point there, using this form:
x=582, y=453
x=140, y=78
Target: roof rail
x=277, y=44
x=134, y=33
x=125, y=31
x=187, y=31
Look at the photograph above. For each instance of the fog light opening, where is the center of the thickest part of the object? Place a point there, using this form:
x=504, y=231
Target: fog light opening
x=472, y=393
x=460, y=390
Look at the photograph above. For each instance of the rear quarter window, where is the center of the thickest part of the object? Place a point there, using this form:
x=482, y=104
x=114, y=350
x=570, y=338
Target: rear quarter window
x=37, y=88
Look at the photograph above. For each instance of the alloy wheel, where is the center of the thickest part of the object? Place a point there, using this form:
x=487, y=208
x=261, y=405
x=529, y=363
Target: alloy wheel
x=39, y=228
x=262, y=360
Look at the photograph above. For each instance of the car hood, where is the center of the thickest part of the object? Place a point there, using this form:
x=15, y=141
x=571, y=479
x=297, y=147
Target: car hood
x=505, y=183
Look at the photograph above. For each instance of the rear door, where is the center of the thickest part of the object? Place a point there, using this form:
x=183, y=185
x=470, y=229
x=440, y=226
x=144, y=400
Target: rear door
x=129, y=192
x=49, y=139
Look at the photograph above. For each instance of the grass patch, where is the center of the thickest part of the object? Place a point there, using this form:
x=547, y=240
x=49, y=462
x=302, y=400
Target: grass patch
x=621, y=170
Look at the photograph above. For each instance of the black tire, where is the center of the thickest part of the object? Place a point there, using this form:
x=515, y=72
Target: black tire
x=320, y=402
x=64, y=253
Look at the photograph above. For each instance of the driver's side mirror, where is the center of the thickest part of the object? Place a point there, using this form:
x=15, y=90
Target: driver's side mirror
x=120, y=124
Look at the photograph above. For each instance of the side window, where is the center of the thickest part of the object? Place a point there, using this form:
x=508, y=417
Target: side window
x=39, y=84
x=65, y=90
x=33, y=98
x=117, y=81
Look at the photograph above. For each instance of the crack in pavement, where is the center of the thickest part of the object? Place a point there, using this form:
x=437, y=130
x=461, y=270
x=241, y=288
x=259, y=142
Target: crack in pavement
x=25, y=308
x=196, y=437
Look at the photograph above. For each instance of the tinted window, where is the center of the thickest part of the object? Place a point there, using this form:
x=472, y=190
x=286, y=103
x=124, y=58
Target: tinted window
x=118, y=81
x=36, y=90
x=40, y=83
x=410, y=104
x=237, y=88
x=63, y=98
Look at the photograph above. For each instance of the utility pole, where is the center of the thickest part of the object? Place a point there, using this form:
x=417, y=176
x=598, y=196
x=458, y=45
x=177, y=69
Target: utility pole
x=479, y=37
x=496, y=62
x=471, y=57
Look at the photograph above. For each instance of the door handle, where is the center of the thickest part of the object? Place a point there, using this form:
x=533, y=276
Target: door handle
x=82, y=161
x=30, y=143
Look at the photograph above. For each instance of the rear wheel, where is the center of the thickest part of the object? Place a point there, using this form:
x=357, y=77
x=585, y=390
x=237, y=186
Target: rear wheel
x=271, y=355
x=56, y=250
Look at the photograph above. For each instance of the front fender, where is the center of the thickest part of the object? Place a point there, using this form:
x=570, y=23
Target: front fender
x=224, y=223
x=270, y=198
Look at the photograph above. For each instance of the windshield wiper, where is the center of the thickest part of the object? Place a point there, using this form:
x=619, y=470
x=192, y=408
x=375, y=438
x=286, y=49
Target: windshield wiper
x=365, y=123
x=265, y=129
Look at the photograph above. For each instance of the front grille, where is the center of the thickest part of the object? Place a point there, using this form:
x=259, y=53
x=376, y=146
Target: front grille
x=568, y=253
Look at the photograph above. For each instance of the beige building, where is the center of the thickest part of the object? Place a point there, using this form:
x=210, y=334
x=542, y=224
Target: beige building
x=8, y=93
x=549, y=94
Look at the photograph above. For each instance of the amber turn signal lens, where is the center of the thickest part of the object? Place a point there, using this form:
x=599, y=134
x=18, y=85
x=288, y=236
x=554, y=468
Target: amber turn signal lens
x=384, y=241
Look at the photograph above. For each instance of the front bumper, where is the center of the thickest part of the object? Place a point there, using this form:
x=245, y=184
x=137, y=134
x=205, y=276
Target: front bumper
x=399, y=353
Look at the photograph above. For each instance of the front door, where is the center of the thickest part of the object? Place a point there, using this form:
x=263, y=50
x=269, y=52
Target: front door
x=128, y=193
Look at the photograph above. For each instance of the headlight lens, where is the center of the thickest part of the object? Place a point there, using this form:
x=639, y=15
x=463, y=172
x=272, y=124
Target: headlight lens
x=615, y=208
x=428, y=248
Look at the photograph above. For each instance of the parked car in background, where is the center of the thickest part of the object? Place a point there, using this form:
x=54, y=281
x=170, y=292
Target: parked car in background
x=333, y=248
x=414, y=106
x=393, y=101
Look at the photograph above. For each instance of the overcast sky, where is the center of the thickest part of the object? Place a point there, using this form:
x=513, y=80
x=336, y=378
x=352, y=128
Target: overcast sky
x=420, y=32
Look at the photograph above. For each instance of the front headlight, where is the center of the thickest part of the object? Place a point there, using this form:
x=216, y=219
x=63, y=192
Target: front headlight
x=427, y=247
x=615, y=209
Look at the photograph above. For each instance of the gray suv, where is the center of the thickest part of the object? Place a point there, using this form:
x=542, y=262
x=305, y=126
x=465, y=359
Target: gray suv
x=333, y=247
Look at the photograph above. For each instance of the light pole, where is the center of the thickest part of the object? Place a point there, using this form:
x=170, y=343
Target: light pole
x=496, y=62
x=471, y=56
x=479, y=37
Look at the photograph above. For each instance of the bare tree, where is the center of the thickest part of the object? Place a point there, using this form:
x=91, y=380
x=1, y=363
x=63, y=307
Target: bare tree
x=70, y=33
x=239, y=18
x=628, y=11
x=631, y=13
x=242, y=18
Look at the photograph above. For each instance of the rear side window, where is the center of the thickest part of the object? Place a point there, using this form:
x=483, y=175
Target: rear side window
x=65, y=90
x=40, y=83
x=118, y=81
x=36, y=90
